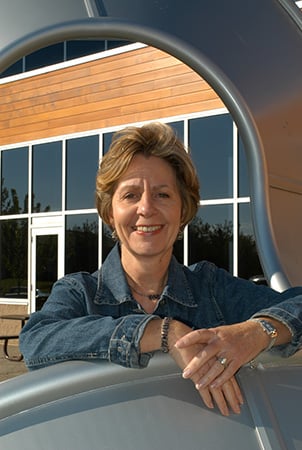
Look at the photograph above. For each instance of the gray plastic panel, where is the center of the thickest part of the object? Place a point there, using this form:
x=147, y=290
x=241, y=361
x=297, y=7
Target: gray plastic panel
x=100, y=406
x=23, y=18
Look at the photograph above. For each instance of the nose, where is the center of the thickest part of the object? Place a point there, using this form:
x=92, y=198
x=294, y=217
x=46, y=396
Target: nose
x=146, y=205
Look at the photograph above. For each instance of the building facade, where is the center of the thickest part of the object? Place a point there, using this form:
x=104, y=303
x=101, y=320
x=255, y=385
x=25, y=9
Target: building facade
x=57, y=121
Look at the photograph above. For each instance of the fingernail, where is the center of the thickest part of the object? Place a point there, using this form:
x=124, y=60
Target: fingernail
x=186, y=373
x=237, y=410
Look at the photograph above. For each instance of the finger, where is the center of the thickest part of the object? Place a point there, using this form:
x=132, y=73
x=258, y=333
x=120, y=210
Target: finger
x=199, y=360
x=227, y=396
x=220, y=400
x=201, y=372
x=231, y=396
x=206, y=397
x=215, y=370
x=237, y=390
x=224, y=376
x=201, y=336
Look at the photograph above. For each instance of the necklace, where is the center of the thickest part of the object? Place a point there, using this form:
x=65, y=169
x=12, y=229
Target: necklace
x=150, y=296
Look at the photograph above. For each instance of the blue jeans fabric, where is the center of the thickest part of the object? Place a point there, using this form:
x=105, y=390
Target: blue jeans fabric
x=94, y=316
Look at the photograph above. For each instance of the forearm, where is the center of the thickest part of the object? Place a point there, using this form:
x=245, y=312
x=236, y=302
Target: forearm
x=287, y=318
x=151, y=339
x=45, y=340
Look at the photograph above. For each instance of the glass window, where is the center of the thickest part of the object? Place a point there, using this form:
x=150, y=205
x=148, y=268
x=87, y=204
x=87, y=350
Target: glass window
x=211, y=142
x=178, y=127
x=211, y=236
x=47, y=177
x=82, y=156
x=46, y=56
x=178, y=250
x=243, y=178
x=116, y=44
x=107, y=241
x=13, y=258
x=78, y=48
x=248, y=261
x=81, y=243
x=46, y=266
x=107, y=138
x=14, y=181
x=15, y=68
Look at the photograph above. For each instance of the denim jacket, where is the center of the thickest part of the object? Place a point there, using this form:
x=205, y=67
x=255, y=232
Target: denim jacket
x=94, y=316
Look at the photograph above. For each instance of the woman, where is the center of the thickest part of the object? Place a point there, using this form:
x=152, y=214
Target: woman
x=142, y=300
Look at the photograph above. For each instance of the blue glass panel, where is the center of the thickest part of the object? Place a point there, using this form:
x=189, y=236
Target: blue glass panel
x=211, y=143
x=178, y=127
x=51, y=54
x=116, y=44
x=248, y=261
x=46, y=267
x=243, y=183
x=47, y=177
x=15, y=68
x=82, y=155
x=211, y=236
x=107, y=242
x=14, y=181
x=107, y=138
x=78, y=48
x=81, y=243
x=13, y=258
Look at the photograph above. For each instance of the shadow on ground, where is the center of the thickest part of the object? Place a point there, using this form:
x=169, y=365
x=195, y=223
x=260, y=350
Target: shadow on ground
x=11, y=369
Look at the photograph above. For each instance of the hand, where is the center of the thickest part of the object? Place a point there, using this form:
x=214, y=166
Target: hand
x=236, y=344
x=226, y=396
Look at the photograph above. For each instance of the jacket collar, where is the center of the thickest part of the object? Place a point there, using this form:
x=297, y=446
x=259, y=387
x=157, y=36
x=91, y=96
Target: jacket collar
x=113, y=287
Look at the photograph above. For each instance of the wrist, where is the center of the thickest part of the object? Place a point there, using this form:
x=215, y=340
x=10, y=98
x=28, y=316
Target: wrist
x=268, y=330
x=164, y=334
x=177, y=330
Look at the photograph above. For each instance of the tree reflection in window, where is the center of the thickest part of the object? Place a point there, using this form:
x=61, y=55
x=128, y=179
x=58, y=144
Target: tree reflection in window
x=211, y=242
x=14, y=181
x=13, y=258
x=81, y=243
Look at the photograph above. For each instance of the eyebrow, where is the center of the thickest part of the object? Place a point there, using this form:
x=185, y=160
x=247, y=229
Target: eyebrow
x=137, y=186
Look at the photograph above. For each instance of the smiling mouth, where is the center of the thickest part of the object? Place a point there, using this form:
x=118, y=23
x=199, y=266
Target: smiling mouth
x=147, y=229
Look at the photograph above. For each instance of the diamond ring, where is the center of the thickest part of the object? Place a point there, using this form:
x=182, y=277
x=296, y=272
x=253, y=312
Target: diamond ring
x=222, y=361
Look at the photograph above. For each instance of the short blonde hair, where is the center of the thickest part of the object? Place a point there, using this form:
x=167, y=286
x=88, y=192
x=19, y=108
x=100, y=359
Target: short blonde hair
x=153, y=139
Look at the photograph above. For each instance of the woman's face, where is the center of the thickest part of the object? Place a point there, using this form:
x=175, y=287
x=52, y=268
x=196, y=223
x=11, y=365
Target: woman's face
x=146, y=208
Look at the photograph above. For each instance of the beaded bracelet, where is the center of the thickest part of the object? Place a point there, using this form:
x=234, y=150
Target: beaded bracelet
x=164, y=334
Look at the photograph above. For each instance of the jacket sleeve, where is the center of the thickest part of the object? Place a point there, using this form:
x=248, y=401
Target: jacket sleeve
x=243, y=299
x=68, y=328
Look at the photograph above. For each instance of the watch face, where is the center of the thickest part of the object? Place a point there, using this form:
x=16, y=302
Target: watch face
x=269, y=328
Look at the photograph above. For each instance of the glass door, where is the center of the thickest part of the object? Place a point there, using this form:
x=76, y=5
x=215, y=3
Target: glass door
x=46, y=264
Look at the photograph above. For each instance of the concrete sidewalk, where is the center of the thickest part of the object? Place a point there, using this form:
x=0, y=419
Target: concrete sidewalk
x=10, y=369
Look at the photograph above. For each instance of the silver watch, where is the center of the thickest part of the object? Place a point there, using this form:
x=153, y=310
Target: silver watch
x=269, y=329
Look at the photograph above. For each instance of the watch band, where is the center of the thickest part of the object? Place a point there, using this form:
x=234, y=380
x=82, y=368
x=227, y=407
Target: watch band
x=164, y=334
x=269, y=329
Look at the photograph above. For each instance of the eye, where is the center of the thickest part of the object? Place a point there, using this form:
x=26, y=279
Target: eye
x=163, y=195
x=129, y=196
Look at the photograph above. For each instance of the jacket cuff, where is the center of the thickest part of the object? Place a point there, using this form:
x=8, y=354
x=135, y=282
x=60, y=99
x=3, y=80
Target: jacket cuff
x=124, y=345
